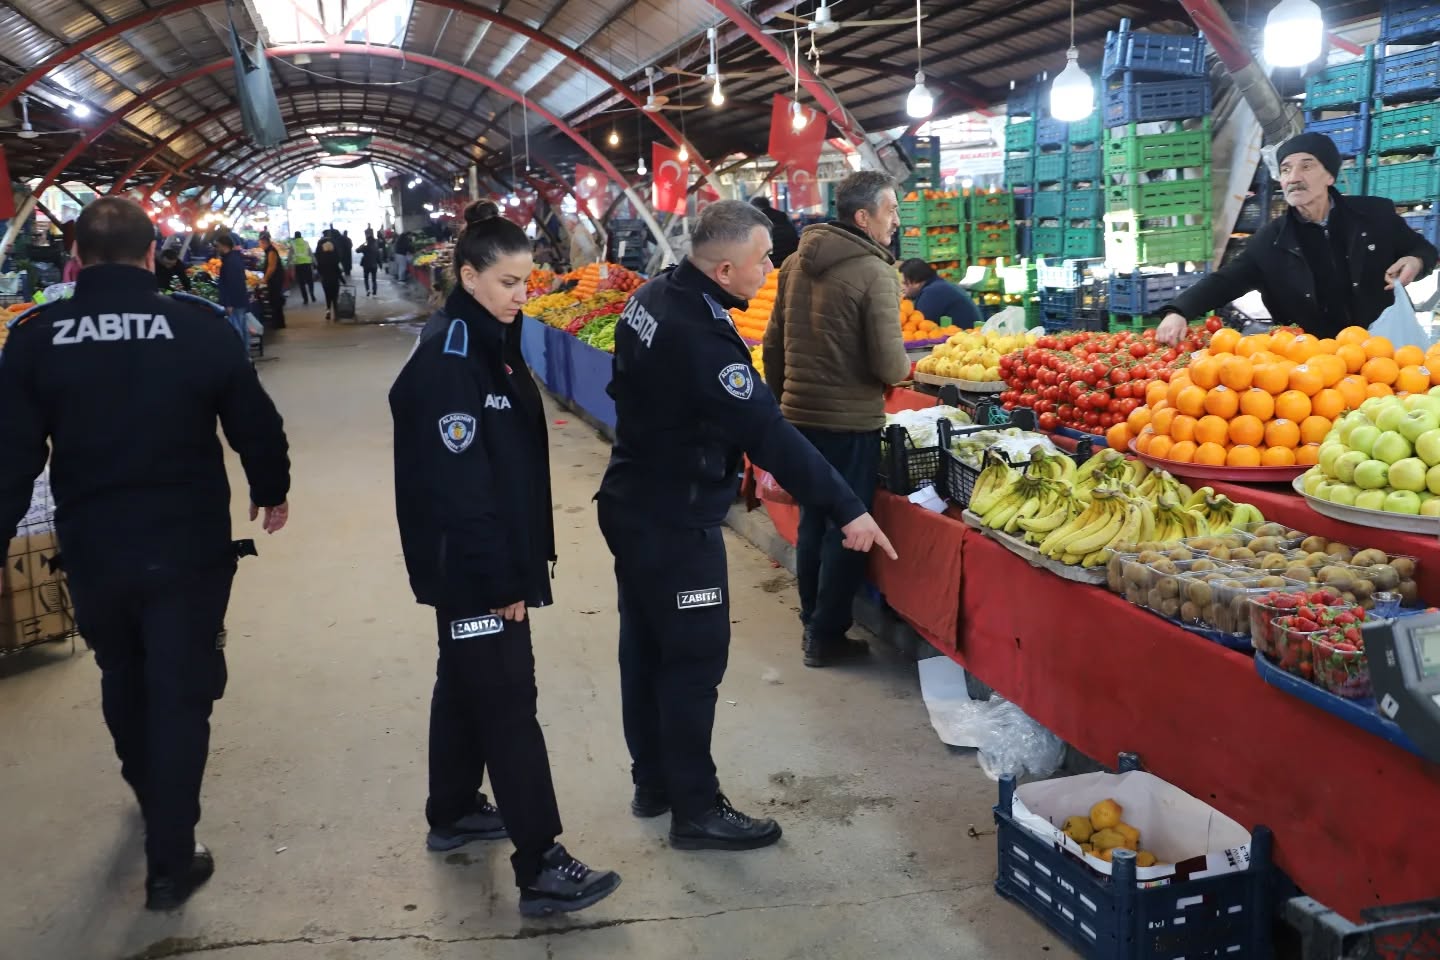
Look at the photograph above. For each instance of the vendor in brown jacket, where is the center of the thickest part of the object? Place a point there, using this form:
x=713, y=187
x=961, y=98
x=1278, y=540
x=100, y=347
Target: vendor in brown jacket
x=832, y=347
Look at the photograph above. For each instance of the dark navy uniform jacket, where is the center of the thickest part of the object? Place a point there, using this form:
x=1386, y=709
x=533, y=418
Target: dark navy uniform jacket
x=689, y=403
x=121, y=388
x=472, y=465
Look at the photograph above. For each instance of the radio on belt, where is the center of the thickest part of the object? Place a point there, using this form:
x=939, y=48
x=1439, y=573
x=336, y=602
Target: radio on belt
x=1404, y=658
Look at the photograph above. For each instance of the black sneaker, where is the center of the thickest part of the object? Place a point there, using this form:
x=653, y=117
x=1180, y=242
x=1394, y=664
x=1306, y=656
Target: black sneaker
x=169, y=892
x=482, y=823
x=722, y=827
x=649, y=801
x=565, y=885
x=822, y=653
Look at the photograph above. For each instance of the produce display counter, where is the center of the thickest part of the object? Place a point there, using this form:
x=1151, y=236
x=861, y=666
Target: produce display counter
x=424, y=276
x=1346, y=807
x=574, y=372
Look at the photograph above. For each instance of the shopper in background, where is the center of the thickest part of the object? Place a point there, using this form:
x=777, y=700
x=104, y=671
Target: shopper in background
x=234, y=288
x=274, y=272
x=1330, y=262
x=832, y=347
x=302, y=261
x=404, y=246
x=782, y=233
x=327, y=264
x=688, y=404
x=583, y=248
x=937, y=298
x=472, y=497
x=346, y=248
x=370, y=262
x=121, y=388
x=169, y=271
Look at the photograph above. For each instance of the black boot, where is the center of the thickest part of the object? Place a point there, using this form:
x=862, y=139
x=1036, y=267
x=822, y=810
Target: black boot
x=649, y=801
x=722, y=827
x=166, y=892
x=822, y=653
x=564, y=885
x=482, y=823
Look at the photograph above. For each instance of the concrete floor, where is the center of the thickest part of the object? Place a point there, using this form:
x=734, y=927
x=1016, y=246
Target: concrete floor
x=315, y=791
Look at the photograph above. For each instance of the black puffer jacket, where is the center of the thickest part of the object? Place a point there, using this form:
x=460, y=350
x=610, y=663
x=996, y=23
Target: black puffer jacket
x=472, y=465
x=1274, y=264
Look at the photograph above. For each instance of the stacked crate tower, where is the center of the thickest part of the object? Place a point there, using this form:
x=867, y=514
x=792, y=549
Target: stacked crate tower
x=931, y=219
x=1158, y=198
x=1055, y=170
x=1404, y=142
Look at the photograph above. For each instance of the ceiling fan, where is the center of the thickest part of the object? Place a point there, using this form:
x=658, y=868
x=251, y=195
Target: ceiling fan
x=27, y=132
x=824, y=22
x=656, y=102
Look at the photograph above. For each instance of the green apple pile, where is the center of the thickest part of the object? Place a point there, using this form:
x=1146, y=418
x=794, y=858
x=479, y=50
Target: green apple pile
x=1384, y=456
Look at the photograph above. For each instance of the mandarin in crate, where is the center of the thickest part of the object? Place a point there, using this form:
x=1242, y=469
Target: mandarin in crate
x=1156, y=391
x=1162, y=419
x=1252, y=344
x=1353, y=355
x=1302, y=348
x=1277, y=457
x=1143, y=441
x=1139, y=419
x=1242, y=455
x=1314, y=429
x=1330, y=367
x=1178, y=382
x=1257, y=403
x=1213, y=429
x=1380, y=369
x=1353, y=389
x=1160, y=446
x=1118, y=437
x=1280, y=341
x=1183, y=452
x=1379, y=390
x=1248, y=430
x=1190, y=401
x=1293, y=405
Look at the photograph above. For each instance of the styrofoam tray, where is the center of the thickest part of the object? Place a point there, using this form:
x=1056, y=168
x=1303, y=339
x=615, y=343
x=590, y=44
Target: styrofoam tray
x=1403, y=522
x=1198, y=471
x=1031, y=555
x=967, y=386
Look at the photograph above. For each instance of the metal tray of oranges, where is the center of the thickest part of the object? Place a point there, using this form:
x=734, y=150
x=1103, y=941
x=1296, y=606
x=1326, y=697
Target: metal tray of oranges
x=1200, y=471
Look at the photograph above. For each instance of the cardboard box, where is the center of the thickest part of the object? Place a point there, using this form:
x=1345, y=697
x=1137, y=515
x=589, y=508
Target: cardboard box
x=34, y=601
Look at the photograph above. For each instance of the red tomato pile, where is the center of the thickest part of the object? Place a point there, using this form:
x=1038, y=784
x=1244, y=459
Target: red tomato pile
x=1091, y=381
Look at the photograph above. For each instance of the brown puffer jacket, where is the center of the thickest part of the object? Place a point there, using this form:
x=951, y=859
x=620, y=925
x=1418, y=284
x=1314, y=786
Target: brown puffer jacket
x=834, y=339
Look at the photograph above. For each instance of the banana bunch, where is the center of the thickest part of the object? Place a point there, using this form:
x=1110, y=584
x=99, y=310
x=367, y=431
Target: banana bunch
x=1109, y=468
x=1220, y=512
x=1035, y=498
x=1161, y=483
x=1111, y=517
x=1174, y=521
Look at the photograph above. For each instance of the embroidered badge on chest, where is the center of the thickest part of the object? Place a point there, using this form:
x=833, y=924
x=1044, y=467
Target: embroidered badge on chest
x=458, y=431
x=738, y=381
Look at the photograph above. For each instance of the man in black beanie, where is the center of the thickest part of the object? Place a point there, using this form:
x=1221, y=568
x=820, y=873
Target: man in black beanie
x=1331, y=262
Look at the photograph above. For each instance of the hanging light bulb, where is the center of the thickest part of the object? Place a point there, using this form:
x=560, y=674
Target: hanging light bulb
x=1294, y=34
x=797, y=116
x=640, y=168
x=684, y=154
x=921, y=102
x=1072, y=95
x=716, y=97
x=614, y=139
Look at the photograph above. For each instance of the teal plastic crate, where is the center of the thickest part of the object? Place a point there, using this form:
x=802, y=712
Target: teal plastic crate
x=993, y=240
x=1049, y=204
x=1088, y=131
x=1352, y=180
x=1086, y=204
x=1084, y=242
x=1126, y=243
x=1343, y=85
x=1166, y=198
x=991, y=207
x=1020, y=134
x=1086, y=165
x=1415, y=182
x=1019, y=170
x=1051, y=167
x=1411, y=129
x=1048, y=241
x=1127, y=151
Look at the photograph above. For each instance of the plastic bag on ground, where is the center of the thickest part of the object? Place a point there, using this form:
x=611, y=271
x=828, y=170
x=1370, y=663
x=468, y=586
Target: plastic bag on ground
x=1398, y=323
x=1009, y=320
x=1008, y=741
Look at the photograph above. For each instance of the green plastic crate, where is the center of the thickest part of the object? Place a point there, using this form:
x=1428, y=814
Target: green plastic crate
x=1166, y=198
x=1125, y=324
x=1084, y=204
x=945, y=246
x=993, y=240
x=991, y=207
x=1088, y=131
x=1343, y=85
x=1126, y=151
x=1019, y=170
x=953, y=274
x=1084, y=242
x=913, y=248
x=1050, y=167
x=1126, y=244
x=1020, y=134
x=1412, y=129
x=1048, y=241
x=1415, y=182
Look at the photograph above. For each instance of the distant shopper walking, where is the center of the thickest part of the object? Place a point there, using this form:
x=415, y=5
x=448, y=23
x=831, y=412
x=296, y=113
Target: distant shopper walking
x=302, y=261
x=327, y=262
x=370, y=262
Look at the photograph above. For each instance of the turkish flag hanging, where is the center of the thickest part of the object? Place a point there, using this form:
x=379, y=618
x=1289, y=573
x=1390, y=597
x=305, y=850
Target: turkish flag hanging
x=804, y=191
x=671, y=178
x=522, y=211
x=796, y=149
x=590, y=188
x=705, y=196
x=7, y=196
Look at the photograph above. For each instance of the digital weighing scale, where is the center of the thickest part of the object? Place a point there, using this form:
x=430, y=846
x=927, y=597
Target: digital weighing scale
x=1404, y=657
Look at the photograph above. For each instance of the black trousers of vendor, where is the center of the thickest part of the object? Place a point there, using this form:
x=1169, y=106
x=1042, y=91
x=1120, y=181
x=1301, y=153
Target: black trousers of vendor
x=305, y=280
x=155, y=634
x=674, y=597
x=275, y=294
x=483, y=716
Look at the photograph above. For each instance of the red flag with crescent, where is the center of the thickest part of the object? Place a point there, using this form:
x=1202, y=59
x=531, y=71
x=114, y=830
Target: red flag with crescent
x=522, y=211
x=705, y=196
x=804, y=191
x=671, y=179
x=590, y=188
x=789, y=147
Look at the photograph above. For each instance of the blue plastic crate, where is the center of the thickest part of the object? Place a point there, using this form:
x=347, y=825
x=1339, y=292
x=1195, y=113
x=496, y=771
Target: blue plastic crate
x=1408, y=76
x=1019, y=170
x=1051, y=133
x=1350, y=133
x=1050, y=167
x=1410, y=22
x=1137, y=101
x=1426, y=223
x=1084, y=204
x=1086, y=166
x=1024, y=100
x=1024, y=206
x=1110, y=918
x=1164, y=54
x=1141, y=294
x=1343, y=85
x=1049, y=204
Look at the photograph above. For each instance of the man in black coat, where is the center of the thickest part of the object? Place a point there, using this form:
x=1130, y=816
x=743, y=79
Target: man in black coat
x=783, y=235
x=1331, y=262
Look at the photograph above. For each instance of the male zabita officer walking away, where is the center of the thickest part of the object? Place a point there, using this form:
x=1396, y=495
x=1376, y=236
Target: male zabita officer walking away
x=122, y=387
x=688, y=404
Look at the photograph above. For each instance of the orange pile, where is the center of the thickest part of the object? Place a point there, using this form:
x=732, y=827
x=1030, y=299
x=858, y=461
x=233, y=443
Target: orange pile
x=914, y=326
x=752, y=322
x=1270, y=399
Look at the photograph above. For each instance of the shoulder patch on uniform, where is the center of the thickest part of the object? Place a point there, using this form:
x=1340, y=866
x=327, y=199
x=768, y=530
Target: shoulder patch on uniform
x=738, y=381
x=458, y=431
x=719, y=312
x=457, y=339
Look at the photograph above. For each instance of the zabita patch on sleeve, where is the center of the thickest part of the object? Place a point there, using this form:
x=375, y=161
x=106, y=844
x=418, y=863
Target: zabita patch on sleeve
x=458, y=431
x=694, y=599
x=738, y=381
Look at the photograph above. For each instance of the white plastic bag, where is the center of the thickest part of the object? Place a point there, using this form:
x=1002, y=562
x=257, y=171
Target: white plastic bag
x=256, y=328
x=1398, y=323
x=1007, y=321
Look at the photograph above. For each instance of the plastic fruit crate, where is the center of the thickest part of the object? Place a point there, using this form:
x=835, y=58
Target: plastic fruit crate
x=1022, y=206
x=1065, y=274
x=1051, y=133
x=1049, y=204
x=993, y=207
x=1412, y=129
x=1123, y=323
x=1137, y=101
x=1351, y=133
x=1408, y=76
x=1165, y=54
x=1020, y=134
x=1410, y=22
x=1426, y=223
x=1402, y=931
x=1084, y=241
x=1126, y=244
x=1127, y=151
x=1415, y=182
x=1086, y=166
x=1164, y=198
x=1142, y=294
x=1047, y=241
x=912, y=248
x=1353, y=179
x=1019, y=170
x=1088, y=204
x=945, y=246
x=993, y=240
x=1112, y=918
x=1023, y=101
x=1087, y=131
x=1050, y=167
x=1343, y=85
x=904, y=467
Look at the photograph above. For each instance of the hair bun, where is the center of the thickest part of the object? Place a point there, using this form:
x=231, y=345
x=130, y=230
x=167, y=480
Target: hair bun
x=481, y=211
